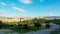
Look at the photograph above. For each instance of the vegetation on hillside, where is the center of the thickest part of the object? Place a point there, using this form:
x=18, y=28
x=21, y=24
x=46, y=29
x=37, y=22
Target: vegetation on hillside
x=27, y=25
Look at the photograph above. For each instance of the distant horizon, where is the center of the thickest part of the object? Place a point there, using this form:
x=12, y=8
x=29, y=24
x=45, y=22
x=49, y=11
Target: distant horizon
x=26, y=16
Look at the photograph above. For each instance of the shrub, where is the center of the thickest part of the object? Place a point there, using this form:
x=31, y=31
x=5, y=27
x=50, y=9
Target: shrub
x=26, y=26
x=1, y=24
x=47, y=26
x=37, y=24
x=19, y=26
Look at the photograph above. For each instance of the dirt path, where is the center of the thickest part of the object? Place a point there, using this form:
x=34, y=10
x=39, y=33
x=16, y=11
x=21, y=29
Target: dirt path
x=7, y=31
x=45, y=31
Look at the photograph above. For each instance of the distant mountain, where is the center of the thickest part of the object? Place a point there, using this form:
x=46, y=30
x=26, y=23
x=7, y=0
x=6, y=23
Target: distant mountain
x=52, y=17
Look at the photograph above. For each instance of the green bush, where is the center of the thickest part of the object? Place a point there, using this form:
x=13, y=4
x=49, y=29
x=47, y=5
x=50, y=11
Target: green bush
x=47, y=26
x=1, y=24
x=19, y=26
x=37, y=25
x=26, y=26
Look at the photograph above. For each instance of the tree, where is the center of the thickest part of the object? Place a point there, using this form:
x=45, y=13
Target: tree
x=56, y=21
x=1, y=24
x=47, y=25
x=37, y=24
x=19, y=26
x=26, y=26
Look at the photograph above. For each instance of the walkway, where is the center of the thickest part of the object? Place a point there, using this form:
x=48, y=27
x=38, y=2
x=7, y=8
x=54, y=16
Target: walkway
x=45, y=31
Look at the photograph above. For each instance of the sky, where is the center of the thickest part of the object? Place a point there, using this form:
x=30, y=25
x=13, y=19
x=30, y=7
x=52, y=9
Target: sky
x=32, y=8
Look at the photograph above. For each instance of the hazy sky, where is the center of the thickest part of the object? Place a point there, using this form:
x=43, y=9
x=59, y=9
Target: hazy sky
x=29, y=7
